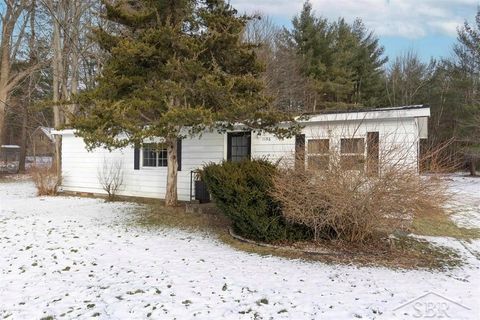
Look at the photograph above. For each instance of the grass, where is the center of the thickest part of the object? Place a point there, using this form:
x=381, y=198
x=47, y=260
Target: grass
x=407, y=253
x=440, y=225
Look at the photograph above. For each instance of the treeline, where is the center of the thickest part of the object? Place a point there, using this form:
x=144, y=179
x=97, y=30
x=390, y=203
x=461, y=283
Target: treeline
x=48, y=56
x=323, y=64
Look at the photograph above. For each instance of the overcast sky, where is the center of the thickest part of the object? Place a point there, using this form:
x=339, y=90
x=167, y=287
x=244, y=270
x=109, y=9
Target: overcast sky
x=426, y=26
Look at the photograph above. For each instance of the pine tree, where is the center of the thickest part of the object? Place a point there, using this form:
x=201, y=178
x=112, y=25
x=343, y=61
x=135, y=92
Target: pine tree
x=174, y=68
x=467, y=51
x=344, y=60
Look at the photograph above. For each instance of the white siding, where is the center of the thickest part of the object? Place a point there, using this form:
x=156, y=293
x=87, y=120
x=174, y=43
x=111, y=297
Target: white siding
x=80, y=167
x=398, y=137
x=267, y=146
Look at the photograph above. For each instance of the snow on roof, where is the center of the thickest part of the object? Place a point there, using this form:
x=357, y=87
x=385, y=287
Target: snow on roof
x=414, y=111
x=10, y=146
x=333, y=111
x=360, y=114
x=48, y=132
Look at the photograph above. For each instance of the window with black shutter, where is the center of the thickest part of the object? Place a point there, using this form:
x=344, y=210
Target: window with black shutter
x=155, y=155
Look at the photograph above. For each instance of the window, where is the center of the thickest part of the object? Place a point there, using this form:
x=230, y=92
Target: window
x=318, y=154
x=352, y=153
x=239, y=146
x=154, y=156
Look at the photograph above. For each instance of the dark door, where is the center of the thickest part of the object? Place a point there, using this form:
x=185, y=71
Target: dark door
x=239, y=145
x=373, y=153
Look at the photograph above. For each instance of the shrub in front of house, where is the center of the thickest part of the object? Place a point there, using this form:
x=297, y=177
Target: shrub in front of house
x=242, y=192
x=339, y=203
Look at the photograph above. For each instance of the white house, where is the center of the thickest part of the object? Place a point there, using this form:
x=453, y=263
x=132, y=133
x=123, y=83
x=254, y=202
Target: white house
x=362, y=135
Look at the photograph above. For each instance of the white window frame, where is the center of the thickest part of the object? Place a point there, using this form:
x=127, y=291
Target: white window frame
x=349, y=154
x=157, y=166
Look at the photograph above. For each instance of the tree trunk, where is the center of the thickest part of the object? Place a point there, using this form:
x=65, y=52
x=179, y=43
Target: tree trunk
x=472, y=167
x=172, y=170
x=23, y=140
x=4, y=75
x=57, y=67
x=3, y=107
x=58, y=158
x=9, y=19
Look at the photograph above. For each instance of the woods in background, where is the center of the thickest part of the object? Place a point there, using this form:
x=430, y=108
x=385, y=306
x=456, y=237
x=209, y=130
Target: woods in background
x=48, y=57
x=321, y=64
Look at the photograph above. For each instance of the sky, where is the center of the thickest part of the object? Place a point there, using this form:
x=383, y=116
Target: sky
x=428, y=27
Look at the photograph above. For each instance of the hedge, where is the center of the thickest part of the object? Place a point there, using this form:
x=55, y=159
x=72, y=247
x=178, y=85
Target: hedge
x=241, y=191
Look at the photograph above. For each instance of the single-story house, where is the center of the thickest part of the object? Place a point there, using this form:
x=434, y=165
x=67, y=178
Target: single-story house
x=362, y=135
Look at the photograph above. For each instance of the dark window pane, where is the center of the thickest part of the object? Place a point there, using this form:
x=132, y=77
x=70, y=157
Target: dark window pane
x=149, y=156
x=162, y=158
x=153, y=156
x=318, y=146
x=239, y=144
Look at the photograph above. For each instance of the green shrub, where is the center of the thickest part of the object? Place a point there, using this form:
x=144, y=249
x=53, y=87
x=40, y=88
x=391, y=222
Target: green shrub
x=241, y=191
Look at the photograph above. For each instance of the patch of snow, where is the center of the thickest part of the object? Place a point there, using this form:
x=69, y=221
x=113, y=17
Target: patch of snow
x=76, y=257
x=466, y=200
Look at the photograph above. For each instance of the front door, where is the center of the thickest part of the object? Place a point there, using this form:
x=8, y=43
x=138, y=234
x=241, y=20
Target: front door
x=239, y=146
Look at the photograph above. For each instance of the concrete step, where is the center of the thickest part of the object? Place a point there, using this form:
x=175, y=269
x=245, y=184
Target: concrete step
x=202, y=208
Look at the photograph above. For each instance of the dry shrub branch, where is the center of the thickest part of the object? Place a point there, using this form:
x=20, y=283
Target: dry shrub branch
x=346, y=200
x=46, y=180
x=110, y=177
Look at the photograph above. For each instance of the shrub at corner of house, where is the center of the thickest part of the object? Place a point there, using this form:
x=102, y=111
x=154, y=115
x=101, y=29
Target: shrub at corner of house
x=45, y=180
x=242, y=192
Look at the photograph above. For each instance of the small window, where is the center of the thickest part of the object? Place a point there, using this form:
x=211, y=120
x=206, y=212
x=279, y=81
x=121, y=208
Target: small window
x=318, y=154
x=154, y=156
x=239, y=146
x=352, y=153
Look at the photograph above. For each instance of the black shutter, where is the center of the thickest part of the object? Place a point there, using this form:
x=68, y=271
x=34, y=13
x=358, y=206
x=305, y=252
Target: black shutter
x=136, y=159
x=179, y=154
x=229, y=147
x=300, y=152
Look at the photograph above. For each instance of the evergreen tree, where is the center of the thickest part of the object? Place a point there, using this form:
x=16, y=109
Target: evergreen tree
x=344, y=60
x=467, y=51
x=174, y=68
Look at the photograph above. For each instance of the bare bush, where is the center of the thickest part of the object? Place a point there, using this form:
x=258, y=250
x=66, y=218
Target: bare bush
x=343, y=199
x=440, y=157
x=46, y=180
x=110, y=176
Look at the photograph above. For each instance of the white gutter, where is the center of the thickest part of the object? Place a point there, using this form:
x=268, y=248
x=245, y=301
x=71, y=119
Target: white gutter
x=394, y=113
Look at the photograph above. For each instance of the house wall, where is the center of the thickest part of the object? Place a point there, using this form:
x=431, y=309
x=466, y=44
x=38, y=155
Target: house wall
x=399, y=138
x=80, y=167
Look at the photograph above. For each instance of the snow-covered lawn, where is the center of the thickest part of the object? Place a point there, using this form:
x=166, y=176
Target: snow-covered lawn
x=76, y=258
x=466, y=202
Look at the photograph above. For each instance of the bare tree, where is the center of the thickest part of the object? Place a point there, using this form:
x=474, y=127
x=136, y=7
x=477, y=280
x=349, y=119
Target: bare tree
x=110, y=176
x=71, y=22
x=407, y=76
x=14, y=21
x=283, y=78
